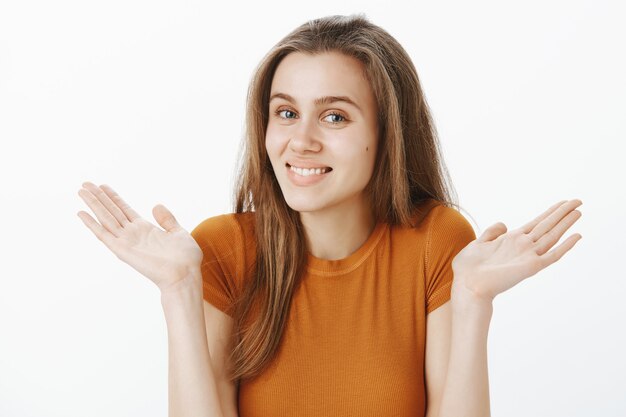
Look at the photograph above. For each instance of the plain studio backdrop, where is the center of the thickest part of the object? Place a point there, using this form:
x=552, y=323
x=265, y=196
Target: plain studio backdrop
x=148, y=97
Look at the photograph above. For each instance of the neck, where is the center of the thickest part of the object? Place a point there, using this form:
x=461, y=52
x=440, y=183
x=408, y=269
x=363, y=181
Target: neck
x=337, y=232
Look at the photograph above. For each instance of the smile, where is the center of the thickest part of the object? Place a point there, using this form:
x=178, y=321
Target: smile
x=306, y=176
x=305, y=172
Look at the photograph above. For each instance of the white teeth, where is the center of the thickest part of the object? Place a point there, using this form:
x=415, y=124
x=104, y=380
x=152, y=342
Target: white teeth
x=305, y=172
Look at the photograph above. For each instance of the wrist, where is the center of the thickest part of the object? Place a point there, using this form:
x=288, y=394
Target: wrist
x=469, y=302
x=184, y=289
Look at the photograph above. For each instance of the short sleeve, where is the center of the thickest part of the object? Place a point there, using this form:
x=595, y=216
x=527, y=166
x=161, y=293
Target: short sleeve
x=448, y=233
x=221, y=241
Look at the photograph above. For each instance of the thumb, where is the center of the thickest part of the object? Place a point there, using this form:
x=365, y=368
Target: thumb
x=165, y=218
x=492, y=232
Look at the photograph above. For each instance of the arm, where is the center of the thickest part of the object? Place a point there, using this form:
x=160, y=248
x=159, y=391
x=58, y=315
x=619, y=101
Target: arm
x=488, y=266
x=456, y=360
x=171, y=258
x=192, y=387
x=219, y=328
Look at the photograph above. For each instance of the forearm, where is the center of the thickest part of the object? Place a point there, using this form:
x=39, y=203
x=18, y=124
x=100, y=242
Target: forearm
x=466, y=390
x=192, y=388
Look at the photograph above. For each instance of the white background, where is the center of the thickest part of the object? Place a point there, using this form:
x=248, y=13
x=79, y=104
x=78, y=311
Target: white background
x=148, y=97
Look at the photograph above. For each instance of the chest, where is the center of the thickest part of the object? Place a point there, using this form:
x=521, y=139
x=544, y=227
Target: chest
x=353, y=345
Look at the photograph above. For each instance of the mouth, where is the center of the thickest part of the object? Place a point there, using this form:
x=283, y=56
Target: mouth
x=305, y=172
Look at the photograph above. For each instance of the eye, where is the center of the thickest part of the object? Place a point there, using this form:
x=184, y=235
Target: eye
x=287, y=114
x=335, y=117
x=278, y=113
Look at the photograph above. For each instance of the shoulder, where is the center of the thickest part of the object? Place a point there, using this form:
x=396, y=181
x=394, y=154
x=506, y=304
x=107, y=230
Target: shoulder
x=447, y=232
x=435, y=224
x=230, y=229
x=228, y=247
x=431, y=213
x=443, y=220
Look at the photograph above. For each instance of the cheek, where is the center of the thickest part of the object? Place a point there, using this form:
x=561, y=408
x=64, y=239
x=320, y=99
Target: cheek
x=368, y=159
x=367, y=154
x=275, y=137
x=272, y=145
x=370, y=153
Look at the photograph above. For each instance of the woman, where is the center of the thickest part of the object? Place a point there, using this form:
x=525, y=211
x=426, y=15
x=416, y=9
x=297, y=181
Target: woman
x=344, y=283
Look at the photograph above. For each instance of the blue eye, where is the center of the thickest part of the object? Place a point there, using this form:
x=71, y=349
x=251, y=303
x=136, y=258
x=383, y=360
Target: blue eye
x=278, y=112
x=337, y=118
x=337, y=115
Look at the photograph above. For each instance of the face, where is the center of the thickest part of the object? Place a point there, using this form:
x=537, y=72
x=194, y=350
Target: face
x=322, y=131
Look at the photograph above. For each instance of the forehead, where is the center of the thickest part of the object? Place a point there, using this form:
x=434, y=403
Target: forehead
x=308, y=76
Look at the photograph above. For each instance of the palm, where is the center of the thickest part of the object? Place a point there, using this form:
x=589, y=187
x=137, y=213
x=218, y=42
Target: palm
x=156, y=253
x=497, y=261
x=164, y=256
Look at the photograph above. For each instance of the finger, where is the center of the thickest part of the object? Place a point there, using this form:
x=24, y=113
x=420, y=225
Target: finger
x=165, y=218
x=545, y=225
x=492, y=232
x=107, y=203
x=105, y=218
x=530, y=225
x=101, y=233
x=549, y=239
x=130, y=214
x=556, y=253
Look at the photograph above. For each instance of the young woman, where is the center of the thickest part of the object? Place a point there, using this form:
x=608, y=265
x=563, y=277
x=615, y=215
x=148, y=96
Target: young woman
x=344, y=283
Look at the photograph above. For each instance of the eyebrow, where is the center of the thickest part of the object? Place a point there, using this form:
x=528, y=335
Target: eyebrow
x=319, y=100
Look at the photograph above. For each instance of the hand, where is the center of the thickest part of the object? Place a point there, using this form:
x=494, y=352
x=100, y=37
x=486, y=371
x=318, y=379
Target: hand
x=167, y=257
x=498, y=260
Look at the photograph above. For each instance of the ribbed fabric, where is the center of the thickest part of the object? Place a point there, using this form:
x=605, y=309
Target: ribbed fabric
x=355, y=338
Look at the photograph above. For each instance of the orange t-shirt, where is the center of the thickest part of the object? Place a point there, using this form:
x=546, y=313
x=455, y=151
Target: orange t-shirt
x=354, y=341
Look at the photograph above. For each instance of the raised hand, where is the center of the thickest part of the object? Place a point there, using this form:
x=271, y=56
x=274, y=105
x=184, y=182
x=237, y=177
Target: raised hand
x=167, y=257
x=499, y=260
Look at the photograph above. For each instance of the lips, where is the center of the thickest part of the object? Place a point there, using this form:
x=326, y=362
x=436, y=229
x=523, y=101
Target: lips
x=305, y=177
x=304, y=165
x=305, y=172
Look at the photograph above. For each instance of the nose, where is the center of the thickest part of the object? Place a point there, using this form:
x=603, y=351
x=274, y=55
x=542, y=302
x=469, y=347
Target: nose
x=305, y=138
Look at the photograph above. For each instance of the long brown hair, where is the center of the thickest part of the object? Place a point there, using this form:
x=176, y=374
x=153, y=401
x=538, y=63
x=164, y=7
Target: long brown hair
x=408, y=171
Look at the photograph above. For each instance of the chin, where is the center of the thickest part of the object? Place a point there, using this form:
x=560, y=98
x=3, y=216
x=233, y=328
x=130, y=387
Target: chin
x=304, y=206
x=303, y=203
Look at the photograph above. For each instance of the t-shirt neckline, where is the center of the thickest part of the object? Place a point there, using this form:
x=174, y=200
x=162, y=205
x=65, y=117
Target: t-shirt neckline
x=327, y=267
